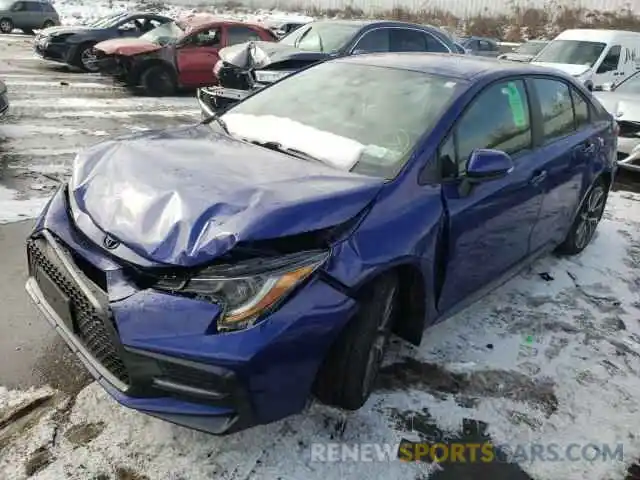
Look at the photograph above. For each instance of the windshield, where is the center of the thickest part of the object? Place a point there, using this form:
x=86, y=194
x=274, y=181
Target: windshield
x=164, y=34
x=107, y=21
x=364, y=131
x=530, y=48
x=630, y=85
x=321, y=36
x=573, y=52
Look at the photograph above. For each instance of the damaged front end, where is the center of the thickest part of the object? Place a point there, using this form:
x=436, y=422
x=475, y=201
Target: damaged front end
x=629, y=145
x=246, y=68
x=114, y=65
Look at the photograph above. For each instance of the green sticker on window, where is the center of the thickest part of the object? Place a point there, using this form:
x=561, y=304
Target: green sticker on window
x=516, y=104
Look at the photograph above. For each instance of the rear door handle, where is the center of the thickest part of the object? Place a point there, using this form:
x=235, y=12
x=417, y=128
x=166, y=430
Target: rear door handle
x=538, y=178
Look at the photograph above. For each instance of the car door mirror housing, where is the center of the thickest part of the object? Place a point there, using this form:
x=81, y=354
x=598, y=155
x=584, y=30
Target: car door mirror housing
x=487, y=164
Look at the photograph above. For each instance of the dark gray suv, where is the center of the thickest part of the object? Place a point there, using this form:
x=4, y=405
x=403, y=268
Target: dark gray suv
x=27, y=15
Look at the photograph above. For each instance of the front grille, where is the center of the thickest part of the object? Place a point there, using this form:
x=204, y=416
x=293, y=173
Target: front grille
x=89, y=327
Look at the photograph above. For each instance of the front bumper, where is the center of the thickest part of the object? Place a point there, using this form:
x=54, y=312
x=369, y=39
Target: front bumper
x=54, y=51
x=160, y=354
x=212, y=99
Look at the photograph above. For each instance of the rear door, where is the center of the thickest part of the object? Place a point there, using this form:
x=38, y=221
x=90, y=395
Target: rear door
x=489, y=225
x=20, y=15
x=196, y=56
x=570, y=140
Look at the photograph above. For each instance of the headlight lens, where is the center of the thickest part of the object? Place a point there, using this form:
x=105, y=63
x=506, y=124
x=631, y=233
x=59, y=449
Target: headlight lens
x=270, y=76
x=246, y=291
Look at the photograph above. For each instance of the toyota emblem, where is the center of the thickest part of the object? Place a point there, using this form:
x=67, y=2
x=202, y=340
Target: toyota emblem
x=110, y=243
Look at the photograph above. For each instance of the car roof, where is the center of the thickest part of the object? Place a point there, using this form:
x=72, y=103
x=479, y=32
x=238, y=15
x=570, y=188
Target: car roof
x=196, y=20
x=464, y=67
x=378, y=23
x=596, y=35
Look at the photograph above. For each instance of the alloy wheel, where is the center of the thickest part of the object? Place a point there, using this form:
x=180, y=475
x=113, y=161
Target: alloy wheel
x=589, y=216
x=6, y=26
x=88, y=59
x=379, y=346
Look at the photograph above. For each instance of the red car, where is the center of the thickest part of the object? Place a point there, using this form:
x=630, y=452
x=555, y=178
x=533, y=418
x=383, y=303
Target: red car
x=176, y=55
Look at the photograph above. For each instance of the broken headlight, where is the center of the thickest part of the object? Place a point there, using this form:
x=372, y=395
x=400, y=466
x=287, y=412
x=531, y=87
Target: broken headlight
x=248, y=290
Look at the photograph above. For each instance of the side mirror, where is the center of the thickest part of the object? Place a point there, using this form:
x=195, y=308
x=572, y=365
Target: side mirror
x=485, y=165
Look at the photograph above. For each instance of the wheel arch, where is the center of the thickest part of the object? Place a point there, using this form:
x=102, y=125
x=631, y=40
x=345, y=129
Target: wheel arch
x=139, y=67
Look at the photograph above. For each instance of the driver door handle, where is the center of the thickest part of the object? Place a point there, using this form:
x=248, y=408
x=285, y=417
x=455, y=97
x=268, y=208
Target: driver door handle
x=538, y=178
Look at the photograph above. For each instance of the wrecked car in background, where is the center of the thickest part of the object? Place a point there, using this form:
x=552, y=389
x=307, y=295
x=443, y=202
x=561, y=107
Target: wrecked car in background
x=246, y=68
x=4, y=98
x=73, y=45
x=176, y=55
x=216, y=275
x=282, y=28
x=622, y=100
x=525, y=52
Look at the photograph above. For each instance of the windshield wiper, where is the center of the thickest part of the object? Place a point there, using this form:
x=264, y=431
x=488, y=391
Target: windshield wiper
x=290, y=151
x=216, y=118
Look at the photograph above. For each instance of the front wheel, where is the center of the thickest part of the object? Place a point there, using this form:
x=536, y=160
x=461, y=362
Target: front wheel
x=158, y=80
x=586, y=222
x=6, y=25
x=85, y=58
x=349, y=372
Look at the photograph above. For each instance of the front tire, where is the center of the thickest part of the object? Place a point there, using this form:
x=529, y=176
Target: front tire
x=586, y=222
x=6, y=25
x=85, y=58
x=348, y=375
x=158, y=81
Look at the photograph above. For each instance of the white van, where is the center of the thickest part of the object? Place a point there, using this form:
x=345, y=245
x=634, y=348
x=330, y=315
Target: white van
x=595, y=57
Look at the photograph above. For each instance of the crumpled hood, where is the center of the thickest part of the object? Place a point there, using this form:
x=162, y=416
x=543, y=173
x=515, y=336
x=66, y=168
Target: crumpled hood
x=259, y=54
x=188, y=195
x=621, y=106
x=127, y=46
x=571, y=69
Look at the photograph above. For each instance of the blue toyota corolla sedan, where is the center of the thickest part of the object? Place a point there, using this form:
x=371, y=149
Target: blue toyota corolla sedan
x=219, y=275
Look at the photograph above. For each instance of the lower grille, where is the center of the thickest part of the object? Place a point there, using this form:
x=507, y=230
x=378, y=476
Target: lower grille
x=89, y=327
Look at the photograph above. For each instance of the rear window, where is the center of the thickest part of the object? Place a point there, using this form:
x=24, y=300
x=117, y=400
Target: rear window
x=321, y=37
x=364, y=131
x=572, y=52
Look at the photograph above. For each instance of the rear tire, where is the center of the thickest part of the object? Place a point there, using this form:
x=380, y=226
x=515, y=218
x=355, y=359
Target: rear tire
x=48, y=24
x=85, y=58
x=348, y=375
x=586, y=221
x=6, y=25
x=158, y=81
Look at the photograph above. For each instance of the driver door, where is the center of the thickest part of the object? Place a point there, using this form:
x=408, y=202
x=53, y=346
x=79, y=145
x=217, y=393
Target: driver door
x=197, y=55
x=609, y=70
x=489, y=223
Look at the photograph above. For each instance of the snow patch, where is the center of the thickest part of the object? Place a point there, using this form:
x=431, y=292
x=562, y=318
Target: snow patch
x=14, y=209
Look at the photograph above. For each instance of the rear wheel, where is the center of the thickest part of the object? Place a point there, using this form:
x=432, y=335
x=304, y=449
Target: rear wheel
x=48, y=24
x=586, y=222
x=86, y=58
x=158, y=81
x=349, y=372
x=6, y=25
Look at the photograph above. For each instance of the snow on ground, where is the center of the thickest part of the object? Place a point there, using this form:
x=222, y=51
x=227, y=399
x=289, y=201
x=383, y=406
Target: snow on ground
x=13, y=208
x=541, y=360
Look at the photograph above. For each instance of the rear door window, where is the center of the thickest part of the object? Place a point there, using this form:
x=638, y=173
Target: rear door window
x=408, y=40
x=580, y=109
x=374, y=41
x=240, y=34
x=556, y=106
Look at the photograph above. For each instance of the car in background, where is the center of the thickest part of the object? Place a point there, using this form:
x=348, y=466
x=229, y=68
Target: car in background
x=27, y=15
x=73, y=45
x=595, y=57
x=480, y=46
x=177, y=55
x=525, y=52
x=623, y=102
x=217, y=275
x=459, y=49
x=244, y=68
x=4, y=99
x=282, y=28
